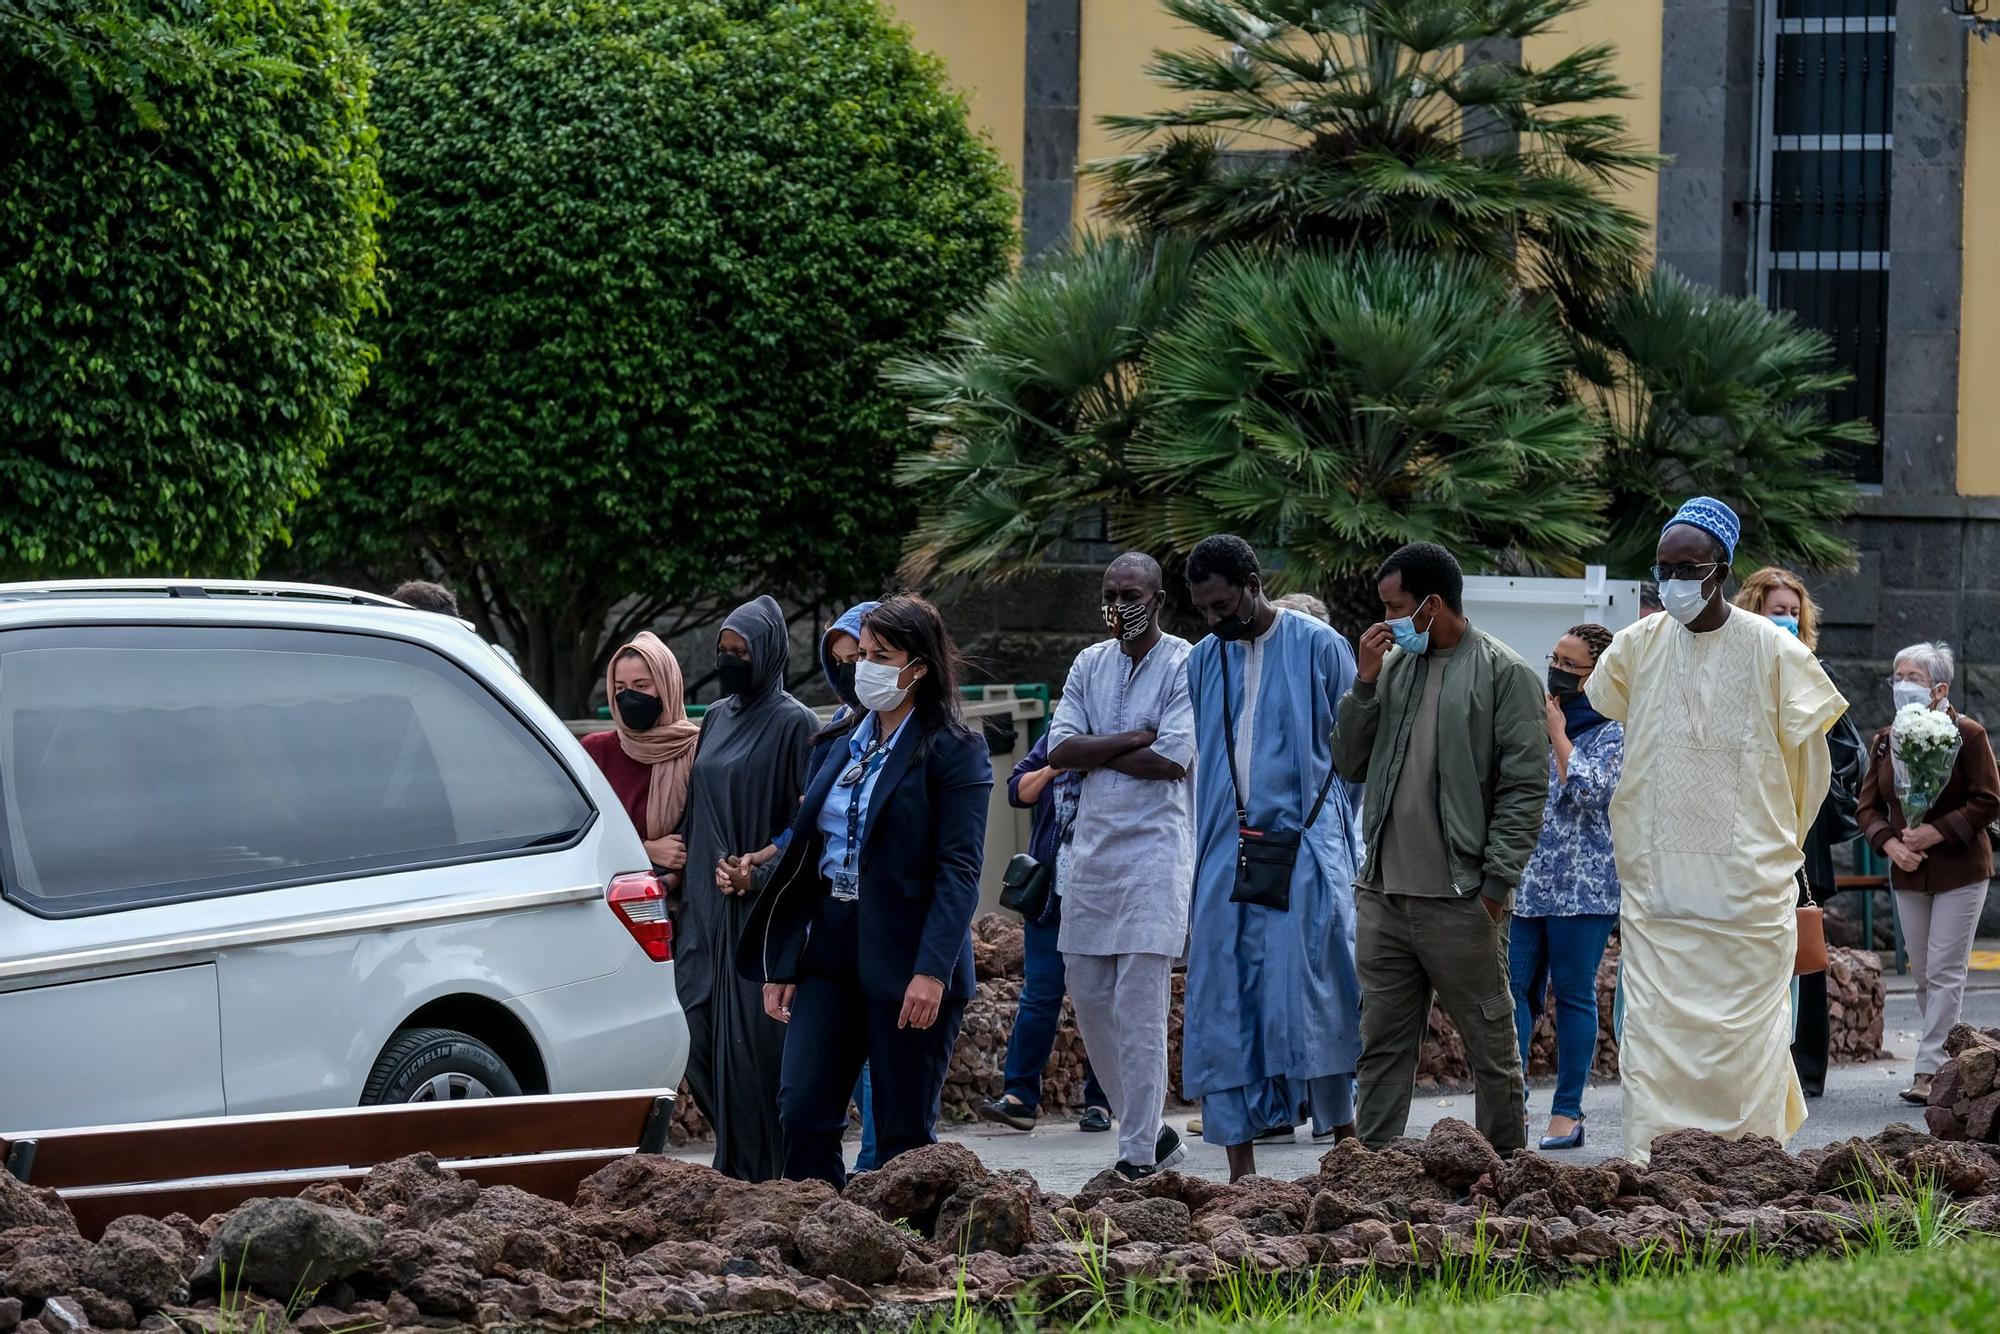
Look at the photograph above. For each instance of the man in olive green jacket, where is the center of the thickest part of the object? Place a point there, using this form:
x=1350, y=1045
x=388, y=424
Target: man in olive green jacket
x=1449, y=732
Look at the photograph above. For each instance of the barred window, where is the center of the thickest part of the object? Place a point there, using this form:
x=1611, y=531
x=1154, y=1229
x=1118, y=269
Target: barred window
x=1826, y=76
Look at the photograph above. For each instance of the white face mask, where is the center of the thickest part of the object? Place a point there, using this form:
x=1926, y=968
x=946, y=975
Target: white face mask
x=1683, y=598
x=1910, y=692
x=876, y=686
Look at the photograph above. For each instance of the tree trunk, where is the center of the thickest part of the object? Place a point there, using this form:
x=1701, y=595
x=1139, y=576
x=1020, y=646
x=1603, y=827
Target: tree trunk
x=559, y=654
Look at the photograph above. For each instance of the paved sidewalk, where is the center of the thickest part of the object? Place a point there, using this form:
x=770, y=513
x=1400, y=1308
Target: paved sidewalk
x=1984, y=974
x=1860, y=1100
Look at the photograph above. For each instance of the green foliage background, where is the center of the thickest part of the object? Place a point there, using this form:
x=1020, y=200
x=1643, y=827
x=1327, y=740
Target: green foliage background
x=187, y=245
x=646, y=262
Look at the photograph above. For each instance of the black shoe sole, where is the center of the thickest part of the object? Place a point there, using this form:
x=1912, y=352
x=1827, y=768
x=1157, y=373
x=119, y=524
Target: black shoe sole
x=999, y=1118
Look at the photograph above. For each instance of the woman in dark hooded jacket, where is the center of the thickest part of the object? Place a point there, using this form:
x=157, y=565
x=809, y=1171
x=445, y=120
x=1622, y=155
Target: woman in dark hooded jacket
x=745, y=787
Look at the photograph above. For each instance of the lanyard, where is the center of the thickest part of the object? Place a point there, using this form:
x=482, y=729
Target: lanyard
x=856, y=796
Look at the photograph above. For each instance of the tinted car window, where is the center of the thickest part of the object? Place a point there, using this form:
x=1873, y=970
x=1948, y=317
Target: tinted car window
x=140, y=764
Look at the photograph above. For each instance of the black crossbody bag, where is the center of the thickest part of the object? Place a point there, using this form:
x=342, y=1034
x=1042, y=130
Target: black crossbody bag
x=1264, y=857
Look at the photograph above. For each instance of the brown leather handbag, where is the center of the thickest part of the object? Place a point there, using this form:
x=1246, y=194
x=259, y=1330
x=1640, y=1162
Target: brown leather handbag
x=1811, y=955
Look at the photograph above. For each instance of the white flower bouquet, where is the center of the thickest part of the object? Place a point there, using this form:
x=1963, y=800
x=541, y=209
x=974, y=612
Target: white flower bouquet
x=1923, y=747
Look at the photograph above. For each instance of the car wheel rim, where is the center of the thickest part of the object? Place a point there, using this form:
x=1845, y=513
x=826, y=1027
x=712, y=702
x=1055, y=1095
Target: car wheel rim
x=453, y=1087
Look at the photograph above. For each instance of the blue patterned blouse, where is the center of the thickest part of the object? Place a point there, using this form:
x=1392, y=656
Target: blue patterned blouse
x=1572, y=873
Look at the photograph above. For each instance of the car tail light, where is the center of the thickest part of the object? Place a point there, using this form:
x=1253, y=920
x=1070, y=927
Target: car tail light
x=640, y=901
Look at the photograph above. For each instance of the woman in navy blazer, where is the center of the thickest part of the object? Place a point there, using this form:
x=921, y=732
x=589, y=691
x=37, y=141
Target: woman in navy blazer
x=863, y=936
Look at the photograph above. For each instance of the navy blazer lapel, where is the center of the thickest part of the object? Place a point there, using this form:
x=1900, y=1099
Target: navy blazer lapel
x=892, y=773
x=818, y=786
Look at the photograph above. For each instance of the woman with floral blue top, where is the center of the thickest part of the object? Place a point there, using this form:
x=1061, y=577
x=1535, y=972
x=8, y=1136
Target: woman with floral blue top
x=1567, y=903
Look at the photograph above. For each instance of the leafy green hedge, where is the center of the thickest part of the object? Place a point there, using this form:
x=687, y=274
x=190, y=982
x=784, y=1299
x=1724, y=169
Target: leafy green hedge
x=188, y=198
x=646, y=260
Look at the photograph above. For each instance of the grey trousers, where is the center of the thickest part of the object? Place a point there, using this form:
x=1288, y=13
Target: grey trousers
x=1121, y=1005
x=1407, y=948
x=1938, y=931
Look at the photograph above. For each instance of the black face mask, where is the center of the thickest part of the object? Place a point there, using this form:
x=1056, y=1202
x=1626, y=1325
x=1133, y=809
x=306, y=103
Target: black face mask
x=1564, y=684
x=733, y=672
x=843, y=684
x=1234, y=626
x=639, y=710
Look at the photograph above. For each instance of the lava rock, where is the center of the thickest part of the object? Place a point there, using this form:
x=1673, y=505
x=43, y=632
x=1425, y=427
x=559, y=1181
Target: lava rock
x=1158, y=1219
x=22, y=1205
x=842, y=1240
x=64, y=1315
x=1388, y=1175
x=643, y=1199
x=1457, y=1155
x=995, y=1216
x=1755, y=1163
x=913, y=1186
x=141, y=1261
x=399, y=1183
x=1963, y=1171
x=284, y=1247
x=48, y=1265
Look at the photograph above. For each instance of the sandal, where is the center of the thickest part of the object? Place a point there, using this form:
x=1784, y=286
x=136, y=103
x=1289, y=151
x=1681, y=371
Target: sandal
x=1919, y=1091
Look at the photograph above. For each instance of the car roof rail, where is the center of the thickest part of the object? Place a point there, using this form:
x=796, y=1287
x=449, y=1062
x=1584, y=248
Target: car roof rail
x=277, y=590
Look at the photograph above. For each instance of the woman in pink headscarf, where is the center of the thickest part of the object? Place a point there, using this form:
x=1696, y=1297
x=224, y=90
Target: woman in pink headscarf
x=648, y=753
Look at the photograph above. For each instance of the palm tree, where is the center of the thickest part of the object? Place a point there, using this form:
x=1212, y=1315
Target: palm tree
x=1367, y=123
x=1336, y=406
x=1034, y=404
x=1701, y=394
x=1274, y=404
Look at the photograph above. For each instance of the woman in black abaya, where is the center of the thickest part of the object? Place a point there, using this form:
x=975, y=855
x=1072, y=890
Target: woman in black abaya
x=745, y=788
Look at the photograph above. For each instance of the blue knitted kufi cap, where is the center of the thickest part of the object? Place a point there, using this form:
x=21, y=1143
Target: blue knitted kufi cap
x=1712, y=517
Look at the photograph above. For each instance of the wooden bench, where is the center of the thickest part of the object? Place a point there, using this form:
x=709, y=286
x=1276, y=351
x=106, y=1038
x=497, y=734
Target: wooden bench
x=545, y=1145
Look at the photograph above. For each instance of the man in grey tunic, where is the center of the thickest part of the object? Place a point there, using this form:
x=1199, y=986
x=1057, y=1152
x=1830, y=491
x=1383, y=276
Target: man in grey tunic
x=1125, y=721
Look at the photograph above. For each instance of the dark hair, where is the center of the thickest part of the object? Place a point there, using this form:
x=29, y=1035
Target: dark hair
x=1427, y=570
x=427, y=596
x=1225, y=555
x=1595, y=638
x=1148, y=568
x=913, y=625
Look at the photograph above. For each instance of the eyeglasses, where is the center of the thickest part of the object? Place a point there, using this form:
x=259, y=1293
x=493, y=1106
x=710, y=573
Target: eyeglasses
x=1569, y=666
x=1663, y=573
x=861, y=766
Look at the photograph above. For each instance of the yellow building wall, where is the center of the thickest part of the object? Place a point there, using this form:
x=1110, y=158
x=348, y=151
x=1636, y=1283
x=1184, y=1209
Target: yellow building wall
x=1633, y=28
x=984, y=45
x=1979, y=295
x=1120, y=36
x=1118, y=40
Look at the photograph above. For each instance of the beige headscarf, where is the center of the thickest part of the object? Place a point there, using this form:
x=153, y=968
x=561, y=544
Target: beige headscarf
x=667, y=745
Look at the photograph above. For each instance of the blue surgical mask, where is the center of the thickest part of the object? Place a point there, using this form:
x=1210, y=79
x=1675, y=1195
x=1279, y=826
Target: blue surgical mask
x=1790, y=623
x=1408, y=637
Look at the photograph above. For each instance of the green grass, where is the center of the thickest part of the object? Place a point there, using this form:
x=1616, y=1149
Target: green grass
x=1907, y=1259
x=1953, y=1287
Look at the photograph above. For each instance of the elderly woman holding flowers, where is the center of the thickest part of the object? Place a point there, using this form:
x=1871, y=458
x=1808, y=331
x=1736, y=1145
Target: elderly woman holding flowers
x=1929, y=795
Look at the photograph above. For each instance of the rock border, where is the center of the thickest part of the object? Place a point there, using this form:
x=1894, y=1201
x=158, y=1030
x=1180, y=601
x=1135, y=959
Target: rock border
x=657, y=1241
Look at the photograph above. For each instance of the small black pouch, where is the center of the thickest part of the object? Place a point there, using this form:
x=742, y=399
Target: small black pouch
x=1024, y=887
x=1264, y=857
x=1264, y=862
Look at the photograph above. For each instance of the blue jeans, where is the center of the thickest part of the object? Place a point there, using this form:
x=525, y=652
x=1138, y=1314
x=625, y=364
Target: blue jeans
x=1565, y=952
x=1035, y=1022
x=863, y=1098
